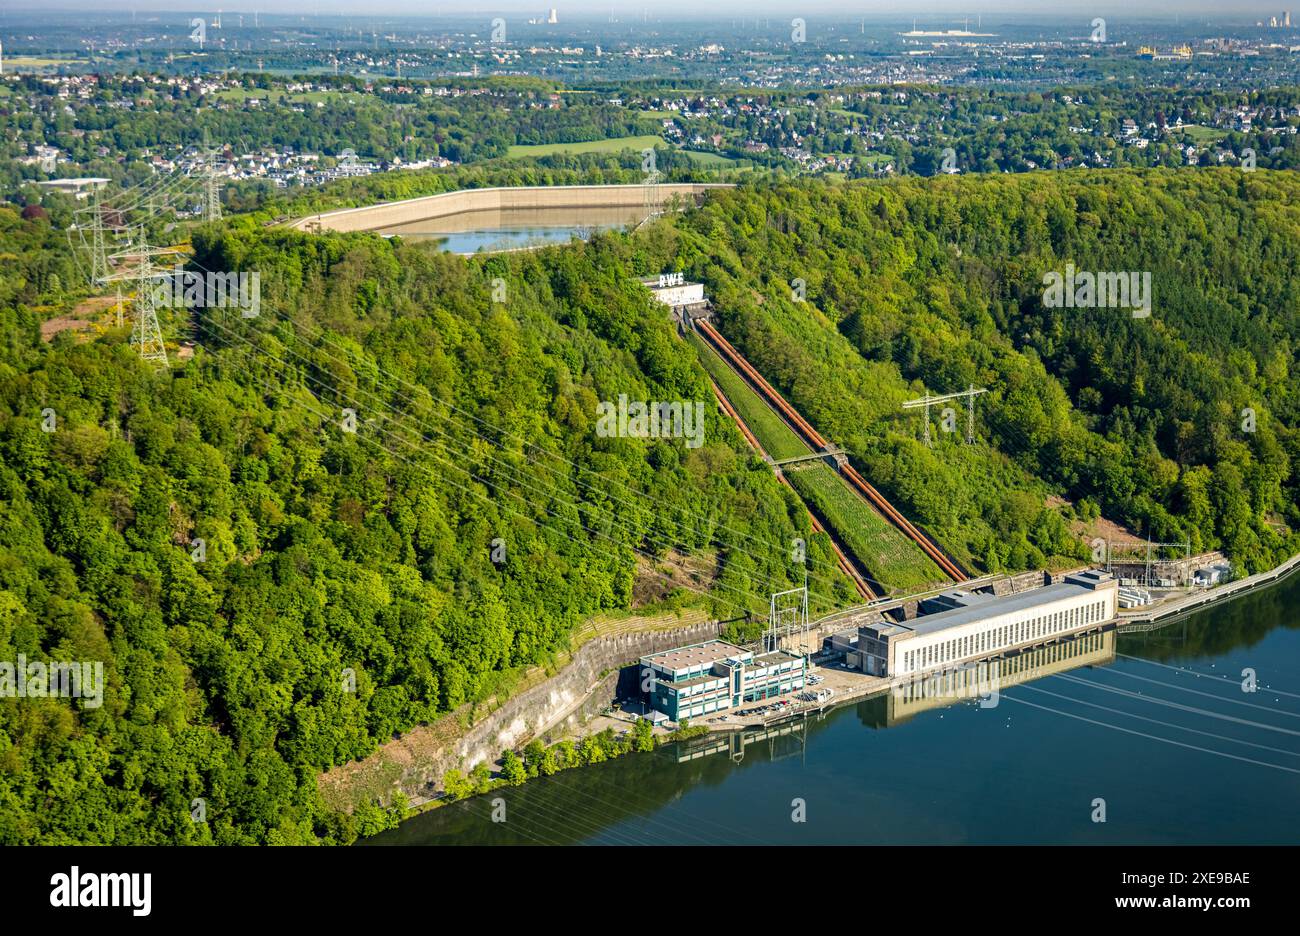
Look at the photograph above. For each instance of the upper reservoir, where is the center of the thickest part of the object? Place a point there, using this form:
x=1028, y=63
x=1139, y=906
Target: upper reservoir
x=492, y=219
x=514, y=228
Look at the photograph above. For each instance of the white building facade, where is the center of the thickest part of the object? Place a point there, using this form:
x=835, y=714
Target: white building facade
x=982, y=628
x=672, y=290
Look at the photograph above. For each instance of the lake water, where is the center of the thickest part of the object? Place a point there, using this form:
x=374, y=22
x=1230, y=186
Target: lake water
x=472, y=231
x=1157, y=725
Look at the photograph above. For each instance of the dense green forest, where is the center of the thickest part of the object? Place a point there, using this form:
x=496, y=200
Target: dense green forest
x=329, y=552
x=937, y=285
x=331, y=556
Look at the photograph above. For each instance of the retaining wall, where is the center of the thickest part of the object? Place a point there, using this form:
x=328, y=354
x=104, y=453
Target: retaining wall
x=1014, y=584
x=583, y=688
x=390, y=214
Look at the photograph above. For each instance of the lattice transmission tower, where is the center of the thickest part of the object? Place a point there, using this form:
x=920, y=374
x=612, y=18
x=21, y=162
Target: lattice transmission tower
x=212, y=194
x=138, y=267
x=927, y=401
x=91, y=229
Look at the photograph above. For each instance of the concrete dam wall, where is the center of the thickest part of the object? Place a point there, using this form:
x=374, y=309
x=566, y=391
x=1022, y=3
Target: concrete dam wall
x=514, y=198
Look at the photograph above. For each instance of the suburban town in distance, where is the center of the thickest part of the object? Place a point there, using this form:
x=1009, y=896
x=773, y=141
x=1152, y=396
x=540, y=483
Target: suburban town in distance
x=649, y=426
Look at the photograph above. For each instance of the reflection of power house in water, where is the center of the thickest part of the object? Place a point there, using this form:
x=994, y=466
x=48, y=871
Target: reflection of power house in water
x=983, y=681
x=781, y=741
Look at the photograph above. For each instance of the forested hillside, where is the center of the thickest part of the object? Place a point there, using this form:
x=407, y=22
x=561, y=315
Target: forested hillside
x=936, y=285
x=476, y=516
x=329, y=552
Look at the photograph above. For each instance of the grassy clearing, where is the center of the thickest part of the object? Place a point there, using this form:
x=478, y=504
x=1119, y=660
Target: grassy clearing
x=874, y=158
x=15, y=62
x=615, y=145
x=710, y=160
x=893, y=559
x=777, y=439
x=1203, y=135
x=273, y=97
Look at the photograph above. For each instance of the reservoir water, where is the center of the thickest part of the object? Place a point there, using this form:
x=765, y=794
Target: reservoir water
x=1154, y=728
x=511, y=229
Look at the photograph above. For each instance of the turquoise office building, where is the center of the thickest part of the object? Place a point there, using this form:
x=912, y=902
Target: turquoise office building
x=715, y=676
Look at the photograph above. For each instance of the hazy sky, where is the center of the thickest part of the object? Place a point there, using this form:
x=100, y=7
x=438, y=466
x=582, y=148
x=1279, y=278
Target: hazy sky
x=892, y=9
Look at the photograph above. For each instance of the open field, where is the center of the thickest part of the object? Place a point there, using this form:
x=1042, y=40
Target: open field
x=710, y=160
x=892, y=559
x=875, y=159
x=304, y=97
x=777, y=439
x=615, y=145
x=1202, y=135
x=16, y=62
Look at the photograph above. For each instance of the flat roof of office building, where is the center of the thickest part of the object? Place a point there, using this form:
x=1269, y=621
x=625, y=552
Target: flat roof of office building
x=776, y=656
x=83, y=182
x=1021, y=601
x=696, y=681
x=712, y=651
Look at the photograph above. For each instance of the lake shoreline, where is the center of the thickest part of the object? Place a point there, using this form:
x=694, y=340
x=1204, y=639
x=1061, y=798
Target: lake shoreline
x=878, y=687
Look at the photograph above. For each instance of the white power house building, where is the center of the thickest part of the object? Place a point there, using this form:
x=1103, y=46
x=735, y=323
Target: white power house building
x=979, y=626
x=672, y=290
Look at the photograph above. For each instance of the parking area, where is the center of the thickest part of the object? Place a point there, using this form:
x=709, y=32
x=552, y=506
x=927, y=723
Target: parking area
x=826, y=685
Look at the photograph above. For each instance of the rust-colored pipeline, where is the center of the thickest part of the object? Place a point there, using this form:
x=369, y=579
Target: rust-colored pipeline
x=790, y=413
x=814, y=438
x=864, y=590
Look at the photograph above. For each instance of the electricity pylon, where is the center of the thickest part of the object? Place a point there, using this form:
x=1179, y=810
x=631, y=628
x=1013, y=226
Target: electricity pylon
x=788, y=615
x=95, y=245
x=146, y=333
x=212, y=194
x=211, y=183
x=653, y=197
x=927, y=401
